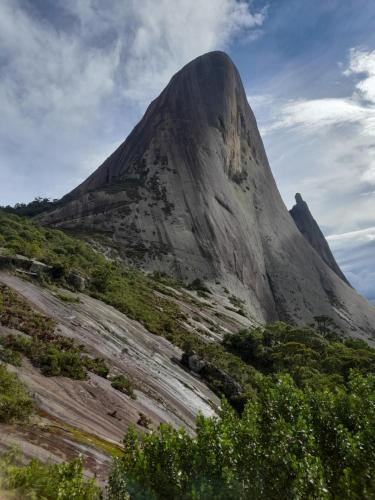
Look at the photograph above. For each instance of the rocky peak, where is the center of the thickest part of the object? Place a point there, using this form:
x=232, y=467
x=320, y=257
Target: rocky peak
x=310, y=230
x=190, y=192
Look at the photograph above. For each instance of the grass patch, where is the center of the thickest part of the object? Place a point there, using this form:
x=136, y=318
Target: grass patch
x=123, y=384
x=15, y=312
x=67, y=297
x=81, y=436
x=10, y=357
x=53, y=354
x=15, y=403
x=236, y=301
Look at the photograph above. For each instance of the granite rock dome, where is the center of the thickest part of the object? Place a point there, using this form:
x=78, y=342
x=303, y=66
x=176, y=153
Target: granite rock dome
x=190, y=192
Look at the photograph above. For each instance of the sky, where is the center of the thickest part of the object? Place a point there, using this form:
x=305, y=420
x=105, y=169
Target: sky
x=77, y=75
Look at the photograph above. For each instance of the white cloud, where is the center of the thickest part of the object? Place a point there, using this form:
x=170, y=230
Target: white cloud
x=70, y=89
x=354, y=238
x=316, y=114
x=363, y=62
x=326, y=147
x=355, y=252
x=159, y=37
x=48, y=74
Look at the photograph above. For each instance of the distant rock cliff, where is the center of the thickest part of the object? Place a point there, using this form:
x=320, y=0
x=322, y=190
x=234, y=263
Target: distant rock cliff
x=311, y=231
x=190, y=192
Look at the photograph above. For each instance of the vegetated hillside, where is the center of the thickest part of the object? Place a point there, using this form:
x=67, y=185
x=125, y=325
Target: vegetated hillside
x=69, y=376
x=35, y=207
x=142, y=349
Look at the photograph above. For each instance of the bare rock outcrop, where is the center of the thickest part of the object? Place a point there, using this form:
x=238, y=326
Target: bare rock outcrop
x=190, y=192
x=311, y=231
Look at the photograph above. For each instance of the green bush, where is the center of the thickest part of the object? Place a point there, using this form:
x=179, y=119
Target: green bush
x=54, y=363
x=16, y=312
x=36, y=480
x=308, y=355
x=123, y=384
x=55, y=355
x=9, y=356
x=97, y=366
x=15, y=403
x=52, y=357
x=128, y=290
x=288, y=443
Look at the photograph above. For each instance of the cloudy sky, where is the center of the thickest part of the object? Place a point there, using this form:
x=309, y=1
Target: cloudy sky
x=76, y=76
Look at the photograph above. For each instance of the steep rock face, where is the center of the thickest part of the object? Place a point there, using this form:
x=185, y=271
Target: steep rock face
x=190, y=192
x=311, y=231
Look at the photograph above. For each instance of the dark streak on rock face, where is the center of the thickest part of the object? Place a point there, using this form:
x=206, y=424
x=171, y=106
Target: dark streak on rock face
x=190, y=192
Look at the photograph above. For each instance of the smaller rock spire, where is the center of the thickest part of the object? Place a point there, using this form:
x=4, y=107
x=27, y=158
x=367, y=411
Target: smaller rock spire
x=298, y=198
x=312, y=233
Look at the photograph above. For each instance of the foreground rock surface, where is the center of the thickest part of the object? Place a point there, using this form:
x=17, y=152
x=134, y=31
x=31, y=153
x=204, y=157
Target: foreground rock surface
x=72, y=415
x=190, y=192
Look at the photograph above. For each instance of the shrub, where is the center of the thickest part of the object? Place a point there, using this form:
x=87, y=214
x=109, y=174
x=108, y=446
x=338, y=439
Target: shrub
x=67, y=297
x=55, y=355
x=128, y=290
x=10, y=357
x=199, y=286
x=54, y=362
x=123, y=384
x=309, y=356
x=97, y=366
x=62, y=481
x=15, y=403
x=288, y=443
x=16, y=312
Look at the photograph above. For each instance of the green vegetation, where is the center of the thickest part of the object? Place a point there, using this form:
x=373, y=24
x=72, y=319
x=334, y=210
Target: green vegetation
x=123, y=384
x=53, y=354
x=54, y=357
x=35, y=207
x=308, y=356
x=130, y=291
x=305, y=399
x=9, y=356
x=96, y=365
x=16, y=313
x=15, y=404
x=238, y=304
x=86, y=438
x=67, y=297
x=288, y=443
x=305, y=429
x=36, y=480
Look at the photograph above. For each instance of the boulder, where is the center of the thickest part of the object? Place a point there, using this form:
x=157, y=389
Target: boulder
x=77, y=281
